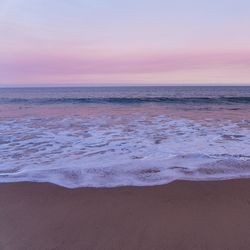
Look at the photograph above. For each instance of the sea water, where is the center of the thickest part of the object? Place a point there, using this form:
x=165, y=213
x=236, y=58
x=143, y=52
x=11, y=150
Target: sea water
x=120, y=136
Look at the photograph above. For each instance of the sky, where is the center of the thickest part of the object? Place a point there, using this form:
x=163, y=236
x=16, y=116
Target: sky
x=124, y=42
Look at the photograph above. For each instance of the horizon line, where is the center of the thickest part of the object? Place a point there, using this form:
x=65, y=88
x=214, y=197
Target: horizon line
x=84, y=85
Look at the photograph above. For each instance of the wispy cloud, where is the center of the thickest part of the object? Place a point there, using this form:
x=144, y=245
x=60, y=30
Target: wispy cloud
x=68, y=65
x=170, y=67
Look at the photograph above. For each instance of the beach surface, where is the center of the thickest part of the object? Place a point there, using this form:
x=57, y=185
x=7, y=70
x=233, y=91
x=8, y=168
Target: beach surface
x=180, y=215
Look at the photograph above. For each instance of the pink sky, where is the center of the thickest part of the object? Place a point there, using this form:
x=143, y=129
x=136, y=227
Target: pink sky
x=116, y=42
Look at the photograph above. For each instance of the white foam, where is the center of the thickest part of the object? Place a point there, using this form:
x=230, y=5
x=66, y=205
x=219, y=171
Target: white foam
x=118, y=151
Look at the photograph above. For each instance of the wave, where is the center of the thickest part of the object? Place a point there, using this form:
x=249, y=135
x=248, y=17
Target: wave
x=129, y=100
x=105, y=152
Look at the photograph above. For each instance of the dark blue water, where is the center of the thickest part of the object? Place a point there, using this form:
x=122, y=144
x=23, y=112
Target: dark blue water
x=127, y=95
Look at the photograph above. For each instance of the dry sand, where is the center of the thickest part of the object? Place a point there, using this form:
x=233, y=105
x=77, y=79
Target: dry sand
x=180, y=215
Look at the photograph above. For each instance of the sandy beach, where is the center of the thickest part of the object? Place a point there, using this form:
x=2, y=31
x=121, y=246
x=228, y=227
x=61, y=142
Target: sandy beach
x=180, y=215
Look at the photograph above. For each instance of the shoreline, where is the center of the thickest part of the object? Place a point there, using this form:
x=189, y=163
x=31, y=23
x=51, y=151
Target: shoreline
x=45, y=183
x=178, y=215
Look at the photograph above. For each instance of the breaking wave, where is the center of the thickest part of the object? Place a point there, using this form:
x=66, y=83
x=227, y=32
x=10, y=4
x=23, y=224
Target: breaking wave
x=129, y=100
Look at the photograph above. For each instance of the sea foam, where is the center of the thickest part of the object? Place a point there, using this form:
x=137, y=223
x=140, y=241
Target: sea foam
x=134, y=150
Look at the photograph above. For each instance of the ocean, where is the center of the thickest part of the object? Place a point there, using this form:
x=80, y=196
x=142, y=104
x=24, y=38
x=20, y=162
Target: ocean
x=124, y=136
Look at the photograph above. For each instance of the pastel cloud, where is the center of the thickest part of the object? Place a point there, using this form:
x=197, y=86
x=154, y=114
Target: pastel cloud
x=80, y=67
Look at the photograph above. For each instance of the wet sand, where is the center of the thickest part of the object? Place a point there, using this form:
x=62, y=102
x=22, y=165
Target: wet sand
x=180, y=215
